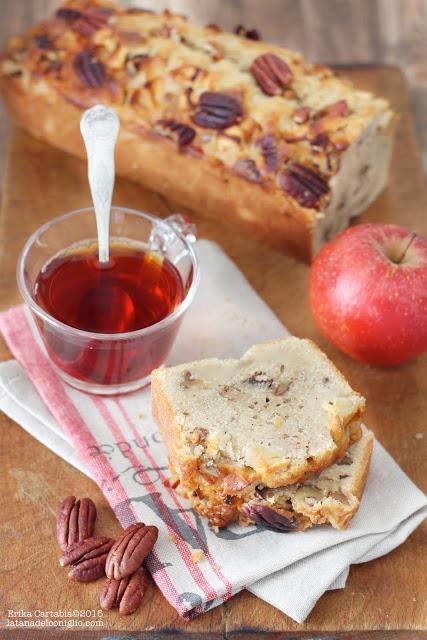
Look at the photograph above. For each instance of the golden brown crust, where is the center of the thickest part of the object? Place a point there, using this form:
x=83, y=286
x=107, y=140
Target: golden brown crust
x=358, y=487
x=360, y=482
x=342, y=519
x=153, y=71
x=164, y=418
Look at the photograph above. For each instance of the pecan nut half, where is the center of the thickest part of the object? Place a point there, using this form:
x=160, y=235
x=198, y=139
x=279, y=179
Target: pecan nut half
x=183, y=134
x=42, y=42
x=67, y=13
x=269, y=151
x=250, y=34
x=339, y=108
x=321, y=141
x=217, y=110
x=303, y=184
x=75, y=521
x=91, y=20
x=301, y=115
x=126, y=594
x=87, y=558
x=89, y=69
x=267, y=517
x=130, y=550
x=271, y=73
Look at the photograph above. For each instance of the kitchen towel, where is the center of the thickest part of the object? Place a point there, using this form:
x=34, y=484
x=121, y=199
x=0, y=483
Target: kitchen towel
x=115, y=441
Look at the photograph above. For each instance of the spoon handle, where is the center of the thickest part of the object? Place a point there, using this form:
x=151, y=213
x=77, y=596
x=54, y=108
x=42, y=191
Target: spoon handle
x=99, y=127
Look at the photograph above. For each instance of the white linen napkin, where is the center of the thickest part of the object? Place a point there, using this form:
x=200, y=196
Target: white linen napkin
x=226, y=318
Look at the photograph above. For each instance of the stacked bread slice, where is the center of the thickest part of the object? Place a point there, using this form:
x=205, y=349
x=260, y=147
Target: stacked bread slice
x=273, y=438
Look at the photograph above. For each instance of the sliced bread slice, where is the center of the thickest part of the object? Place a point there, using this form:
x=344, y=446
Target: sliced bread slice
x=331, y=497
x=280, y=413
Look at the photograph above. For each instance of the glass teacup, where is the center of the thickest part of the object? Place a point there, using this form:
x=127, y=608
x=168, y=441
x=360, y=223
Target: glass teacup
x=108, y=363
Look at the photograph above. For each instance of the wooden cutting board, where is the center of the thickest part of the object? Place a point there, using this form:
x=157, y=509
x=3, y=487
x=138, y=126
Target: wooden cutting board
x=388, y=594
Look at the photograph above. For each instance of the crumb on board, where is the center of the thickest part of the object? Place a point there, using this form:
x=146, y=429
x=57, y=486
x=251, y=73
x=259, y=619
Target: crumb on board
x=419, y=435
x=197, y=555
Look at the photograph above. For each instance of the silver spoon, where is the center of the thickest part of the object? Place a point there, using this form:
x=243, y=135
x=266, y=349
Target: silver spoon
x=99, y=127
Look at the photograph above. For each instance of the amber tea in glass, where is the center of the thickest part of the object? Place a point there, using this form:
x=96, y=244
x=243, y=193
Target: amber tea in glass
x=134, y=290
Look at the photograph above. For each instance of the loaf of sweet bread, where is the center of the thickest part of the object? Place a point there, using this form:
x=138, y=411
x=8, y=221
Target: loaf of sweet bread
x=238, y=429
x=241, y=130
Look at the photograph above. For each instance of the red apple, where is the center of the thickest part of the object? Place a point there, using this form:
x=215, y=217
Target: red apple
x=368, y=293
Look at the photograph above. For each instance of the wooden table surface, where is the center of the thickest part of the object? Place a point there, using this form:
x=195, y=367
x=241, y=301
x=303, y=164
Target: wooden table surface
x=388, y=594
x=332, y=31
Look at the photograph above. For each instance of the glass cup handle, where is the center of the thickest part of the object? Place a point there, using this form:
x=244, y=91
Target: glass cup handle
x=162, y=239
x=183, y=225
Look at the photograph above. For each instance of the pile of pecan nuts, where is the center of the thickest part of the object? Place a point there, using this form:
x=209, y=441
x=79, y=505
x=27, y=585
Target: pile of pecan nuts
x=91, y=557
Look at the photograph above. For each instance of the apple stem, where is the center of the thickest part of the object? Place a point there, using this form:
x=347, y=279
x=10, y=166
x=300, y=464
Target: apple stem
x=403, y=254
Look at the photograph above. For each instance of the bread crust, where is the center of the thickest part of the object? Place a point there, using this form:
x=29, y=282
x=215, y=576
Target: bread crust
x=359, y=485
x=360, y=482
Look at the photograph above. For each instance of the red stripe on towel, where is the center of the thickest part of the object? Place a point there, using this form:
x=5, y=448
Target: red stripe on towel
x=20, y=339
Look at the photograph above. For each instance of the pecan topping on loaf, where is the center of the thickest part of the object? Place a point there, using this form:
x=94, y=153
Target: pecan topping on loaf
x=303, y=184
x=66, y=13
x=250, y=34
x=271, y=73
x=90, y=70
x=269, y=151
x=321, y=141
x=92, y=19
x=301, y=115
x=339, y=108
x=181, y=133
x=217, y=110
x=42, y=42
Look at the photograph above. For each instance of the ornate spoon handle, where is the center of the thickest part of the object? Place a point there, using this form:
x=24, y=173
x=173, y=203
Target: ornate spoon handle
x=100, y=127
